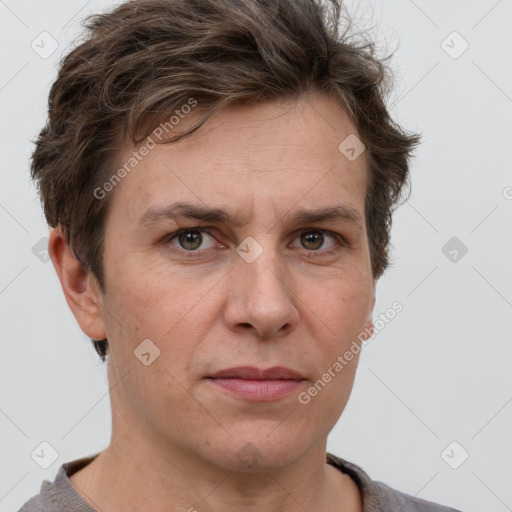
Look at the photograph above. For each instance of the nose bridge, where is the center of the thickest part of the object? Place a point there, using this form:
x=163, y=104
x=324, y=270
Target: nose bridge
x=262, y=269
x=263, y=296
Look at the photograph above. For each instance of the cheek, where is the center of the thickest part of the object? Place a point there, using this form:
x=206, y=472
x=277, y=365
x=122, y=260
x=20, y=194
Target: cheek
x=326, y=398
x=149, y=299
x=141, y=308
x=340, y=304
x=337, y=315
x=172, y=311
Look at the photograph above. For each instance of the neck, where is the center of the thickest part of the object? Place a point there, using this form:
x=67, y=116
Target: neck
x=148, y=479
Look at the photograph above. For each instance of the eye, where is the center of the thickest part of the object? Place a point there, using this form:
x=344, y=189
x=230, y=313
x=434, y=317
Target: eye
x=189, y=239
x=313, y=240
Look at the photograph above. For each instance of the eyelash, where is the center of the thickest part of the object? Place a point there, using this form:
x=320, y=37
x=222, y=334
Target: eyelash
x=340, y=241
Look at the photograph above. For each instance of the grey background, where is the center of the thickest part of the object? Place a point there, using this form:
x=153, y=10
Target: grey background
x=438, y=373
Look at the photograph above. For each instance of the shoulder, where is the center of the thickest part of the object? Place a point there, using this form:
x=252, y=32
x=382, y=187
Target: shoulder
x=379, y=497
x=34, y=504
x=60, y=495
x=403, y=502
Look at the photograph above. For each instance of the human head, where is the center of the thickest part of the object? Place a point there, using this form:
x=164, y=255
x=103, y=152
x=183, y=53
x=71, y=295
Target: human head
x=146, y=59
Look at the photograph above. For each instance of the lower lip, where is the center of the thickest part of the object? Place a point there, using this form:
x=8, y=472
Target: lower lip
x=258, y=390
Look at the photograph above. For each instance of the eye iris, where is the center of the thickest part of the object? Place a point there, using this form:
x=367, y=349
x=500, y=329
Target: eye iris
x=315, y=238
x=194, y=237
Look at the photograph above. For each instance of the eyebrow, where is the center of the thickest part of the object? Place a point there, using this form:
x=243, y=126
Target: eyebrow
x=181, y=210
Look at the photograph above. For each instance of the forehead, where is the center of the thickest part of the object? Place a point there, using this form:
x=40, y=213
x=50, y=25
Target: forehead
x=276, y=153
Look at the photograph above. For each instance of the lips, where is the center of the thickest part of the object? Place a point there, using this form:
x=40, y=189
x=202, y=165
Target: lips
x=256, y=384
x=252, y=373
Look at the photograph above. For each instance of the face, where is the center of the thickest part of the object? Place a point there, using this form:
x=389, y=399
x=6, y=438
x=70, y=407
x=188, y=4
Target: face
x=258, y=287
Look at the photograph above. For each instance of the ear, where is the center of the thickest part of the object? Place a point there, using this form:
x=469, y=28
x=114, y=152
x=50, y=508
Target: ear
x=80, y=287
x=369, y=327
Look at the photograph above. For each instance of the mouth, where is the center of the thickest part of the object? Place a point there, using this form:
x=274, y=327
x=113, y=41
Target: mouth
x=256, y=384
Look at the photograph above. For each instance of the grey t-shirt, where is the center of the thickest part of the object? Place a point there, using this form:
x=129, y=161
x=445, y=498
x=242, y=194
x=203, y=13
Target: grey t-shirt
x=61, y=496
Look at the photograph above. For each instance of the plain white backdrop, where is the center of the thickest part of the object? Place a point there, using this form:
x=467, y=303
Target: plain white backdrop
x=431, y=409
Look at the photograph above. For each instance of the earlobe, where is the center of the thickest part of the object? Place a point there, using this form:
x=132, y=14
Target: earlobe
x=82, y=297
x=369, y=327
x=368, y=330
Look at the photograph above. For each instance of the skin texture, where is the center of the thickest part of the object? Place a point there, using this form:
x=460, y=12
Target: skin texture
x=176, y=439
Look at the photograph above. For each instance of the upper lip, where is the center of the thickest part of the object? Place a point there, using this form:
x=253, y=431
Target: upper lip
x=253, y=373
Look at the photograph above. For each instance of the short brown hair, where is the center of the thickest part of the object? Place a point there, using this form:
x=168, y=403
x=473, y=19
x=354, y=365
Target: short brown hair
x=146, y=58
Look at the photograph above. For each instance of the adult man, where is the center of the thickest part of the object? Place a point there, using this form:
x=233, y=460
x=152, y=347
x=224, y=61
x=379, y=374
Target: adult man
x=219, y=177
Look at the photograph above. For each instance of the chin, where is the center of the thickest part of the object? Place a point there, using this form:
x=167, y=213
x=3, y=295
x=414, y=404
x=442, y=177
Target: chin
x=259, y=449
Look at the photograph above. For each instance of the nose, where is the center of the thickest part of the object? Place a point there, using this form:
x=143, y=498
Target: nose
x=261, y=297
